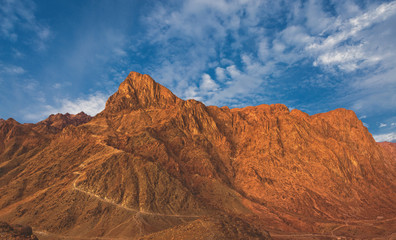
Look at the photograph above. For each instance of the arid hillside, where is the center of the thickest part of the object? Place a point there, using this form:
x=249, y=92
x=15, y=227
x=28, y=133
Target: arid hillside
x=153, y=166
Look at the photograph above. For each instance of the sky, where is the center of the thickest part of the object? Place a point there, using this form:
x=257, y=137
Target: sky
x=316, y=56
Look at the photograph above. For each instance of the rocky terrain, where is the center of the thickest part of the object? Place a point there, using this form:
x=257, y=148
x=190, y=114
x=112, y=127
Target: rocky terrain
x=16, y=232
x=153, y=166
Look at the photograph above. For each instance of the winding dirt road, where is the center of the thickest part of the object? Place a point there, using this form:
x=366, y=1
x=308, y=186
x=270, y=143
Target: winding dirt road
x=125, y=207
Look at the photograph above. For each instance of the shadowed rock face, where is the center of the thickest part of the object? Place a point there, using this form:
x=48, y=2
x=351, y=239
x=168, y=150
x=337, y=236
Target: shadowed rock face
x=16, y=232
x=152, y=165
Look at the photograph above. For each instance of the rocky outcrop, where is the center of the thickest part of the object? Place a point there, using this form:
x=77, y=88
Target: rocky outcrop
x=56, y=122
x=16, y=232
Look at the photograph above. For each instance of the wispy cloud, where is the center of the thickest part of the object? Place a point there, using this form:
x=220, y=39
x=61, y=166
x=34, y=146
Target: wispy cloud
x=91, y=105
x=201, y=35
x=19, y=16
x=197, y=37
x=11, y=69
x=388, y=137
x=10, y=72
x=347, y=46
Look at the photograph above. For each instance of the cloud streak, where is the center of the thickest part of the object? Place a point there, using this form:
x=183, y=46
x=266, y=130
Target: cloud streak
x=388, y=137
x=17, y=17
x=311, y=34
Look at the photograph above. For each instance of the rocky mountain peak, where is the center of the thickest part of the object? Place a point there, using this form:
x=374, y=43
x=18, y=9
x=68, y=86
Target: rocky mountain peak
x=8, y=124
x=60, y=121
x=140, y=91
x=11, y=121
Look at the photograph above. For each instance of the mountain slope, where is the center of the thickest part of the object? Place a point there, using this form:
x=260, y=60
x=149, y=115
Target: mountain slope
x=157, y=166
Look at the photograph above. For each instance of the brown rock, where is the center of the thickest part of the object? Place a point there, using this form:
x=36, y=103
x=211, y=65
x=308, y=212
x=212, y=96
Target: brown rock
x=16, y=232
x=59, y=121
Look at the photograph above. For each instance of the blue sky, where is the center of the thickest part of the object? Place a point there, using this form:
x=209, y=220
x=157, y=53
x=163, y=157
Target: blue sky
x=70, y=56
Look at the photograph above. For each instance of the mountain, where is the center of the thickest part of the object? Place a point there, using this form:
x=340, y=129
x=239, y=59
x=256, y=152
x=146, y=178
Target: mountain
x=153, y=166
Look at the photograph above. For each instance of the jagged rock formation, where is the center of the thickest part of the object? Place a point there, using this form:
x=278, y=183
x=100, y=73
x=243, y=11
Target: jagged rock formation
x=155, y=166
x=57, y=122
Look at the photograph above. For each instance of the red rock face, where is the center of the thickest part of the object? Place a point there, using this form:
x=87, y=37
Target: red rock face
x=154, y=165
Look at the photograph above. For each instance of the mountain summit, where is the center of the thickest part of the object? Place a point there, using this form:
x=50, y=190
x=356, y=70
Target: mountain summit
x=153, y=166
x=140, y=91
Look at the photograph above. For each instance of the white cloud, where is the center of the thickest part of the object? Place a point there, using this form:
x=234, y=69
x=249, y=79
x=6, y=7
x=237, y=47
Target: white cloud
x=345, y=58
x=353, y=26
x=220, y=74
x=359, y=40
x=296, y=36
x=190, y=39
x=380, y=13
x=241, y=83
x=240, y=44
x=346, y=46
x=91, y=105
x=388, y=137
x=263, y=50
x=382, y=125
x=11, y=70
x=207, y=83
x=192, y=93
x=119, y=52
x=278, y=46
x=317, y=20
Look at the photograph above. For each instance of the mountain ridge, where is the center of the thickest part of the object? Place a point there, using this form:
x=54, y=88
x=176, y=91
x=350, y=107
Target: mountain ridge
x=149, y=161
